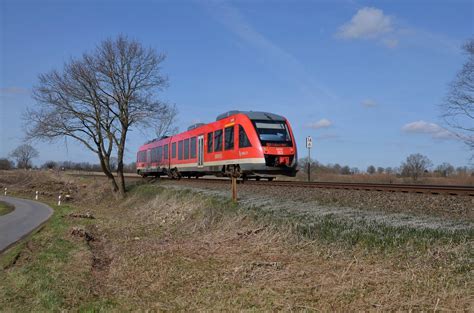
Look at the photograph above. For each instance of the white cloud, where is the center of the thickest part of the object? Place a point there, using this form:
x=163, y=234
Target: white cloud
x=322, y=123
x=390, y=42
x=366, y=23
x=369, y=103
x=327, y=137
x=14, y=91
x=432, y=129
x=281, y=61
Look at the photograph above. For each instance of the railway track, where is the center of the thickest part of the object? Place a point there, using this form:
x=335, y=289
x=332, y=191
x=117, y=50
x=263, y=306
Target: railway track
x=404, y=188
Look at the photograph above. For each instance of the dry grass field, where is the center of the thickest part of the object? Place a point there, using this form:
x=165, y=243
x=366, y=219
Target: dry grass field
x=174, y=249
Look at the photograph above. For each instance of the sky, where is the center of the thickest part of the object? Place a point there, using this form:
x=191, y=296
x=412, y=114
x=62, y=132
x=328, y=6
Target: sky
x=365, y=79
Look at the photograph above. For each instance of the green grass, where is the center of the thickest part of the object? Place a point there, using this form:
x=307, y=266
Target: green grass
x=5, y=208
x=38, y=273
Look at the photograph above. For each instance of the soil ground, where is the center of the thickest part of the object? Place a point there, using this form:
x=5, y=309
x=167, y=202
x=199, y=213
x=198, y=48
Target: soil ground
x=175, y=248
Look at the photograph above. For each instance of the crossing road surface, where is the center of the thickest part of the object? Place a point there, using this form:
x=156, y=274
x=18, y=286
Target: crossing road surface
x=27, y=216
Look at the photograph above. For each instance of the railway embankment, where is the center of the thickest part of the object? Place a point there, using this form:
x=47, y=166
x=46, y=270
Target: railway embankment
x=179, y=248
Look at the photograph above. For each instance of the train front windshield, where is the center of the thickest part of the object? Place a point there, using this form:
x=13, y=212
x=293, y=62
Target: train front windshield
x=273, y=133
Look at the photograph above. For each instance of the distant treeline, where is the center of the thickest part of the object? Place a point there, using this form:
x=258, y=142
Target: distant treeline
x=409, y=168
x=6, y=164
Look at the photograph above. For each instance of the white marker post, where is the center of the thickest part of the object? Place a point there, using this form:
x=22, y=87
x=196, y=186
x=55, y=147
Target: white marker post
x=59, y=200
x=36, y=196
x=309, y=145
x=6, y=191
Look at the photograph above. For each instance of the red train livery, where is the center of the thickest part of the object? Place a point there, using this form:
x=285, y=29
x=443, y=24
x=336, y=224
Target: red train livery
x=237, y=143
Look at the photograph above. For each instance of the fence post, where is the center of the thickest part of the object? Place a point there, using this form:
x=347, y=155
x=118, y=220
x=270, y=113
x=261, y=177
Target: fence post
x=6, y=191
x=59, y=200
x=234, y=189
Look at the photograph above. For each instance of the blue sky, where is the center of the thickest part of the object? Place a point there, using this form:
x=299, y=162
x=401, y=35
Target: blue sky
x=364, y=78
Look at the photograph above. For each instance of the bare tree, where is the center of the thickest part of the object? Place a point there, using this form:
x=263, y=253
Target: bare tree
x=458, y=108
x=49, y=165
x=371, y=169
x=97, y=98
x=445, y=169
x=166, y=125
x=415, y=165
x=6, y=164
x=346, y=170
x=23, y=155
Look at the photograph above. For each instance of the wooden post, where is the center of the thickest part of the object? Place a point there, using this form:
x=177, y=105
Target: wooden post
x=234, y=189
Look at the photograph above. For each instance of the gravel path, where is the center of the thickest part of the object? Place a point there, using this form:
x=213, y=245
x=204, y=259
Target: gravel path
x=391, y=209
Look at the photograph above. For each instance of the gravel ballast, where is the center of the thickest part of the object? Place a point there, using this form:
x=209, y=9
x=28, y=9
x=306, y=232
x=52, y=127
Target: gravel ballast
x=392, y=209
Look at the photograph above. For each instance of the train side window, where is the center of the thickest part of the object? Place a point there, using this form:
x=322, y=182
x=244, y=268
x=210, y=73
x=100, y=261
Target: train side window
x=229, y=138
x=159, y=154
x=244, y=141
x=152, y=155
x=180, y=150
x=218, y=140
x=165, y=151
x=192, y=154
x=186, y=149
x=209, y=142
x=173, y=150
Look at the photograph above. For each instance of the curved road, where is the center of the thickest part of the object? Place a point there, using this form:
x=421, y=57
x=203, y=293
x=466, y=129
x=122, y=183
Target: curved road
x=26, y=217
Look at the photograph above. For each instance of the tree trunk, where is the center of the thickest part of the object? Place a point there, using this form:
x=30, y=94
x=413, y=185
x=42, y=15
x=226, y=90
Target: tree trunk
x=106, y=169
x=120, y=152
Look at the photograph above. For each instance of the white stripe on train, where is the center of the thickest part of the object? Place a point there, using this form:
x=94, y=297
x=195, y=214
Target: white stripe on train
x=215, y=163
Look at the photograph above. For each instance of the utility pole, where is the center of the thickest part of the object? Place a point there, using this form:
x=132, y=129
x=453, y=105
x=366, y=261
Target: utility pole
x=309, y=145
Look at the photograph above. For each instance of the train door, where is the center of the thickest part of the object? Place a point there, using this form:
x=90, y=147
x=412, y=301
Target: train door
x=201, y=151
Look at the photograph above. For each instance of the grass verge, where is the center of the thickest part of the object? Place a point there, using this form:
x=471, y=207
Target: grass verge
x=5, y=208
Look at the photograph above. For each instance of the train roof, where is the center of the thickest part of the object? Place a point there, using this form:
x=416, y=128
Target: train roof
x=253, y=115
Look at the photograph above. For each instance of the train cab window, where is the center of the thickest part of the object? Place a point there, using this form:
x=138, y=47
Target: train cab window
x=186, y=149
x=273, y=133
x=192, y=153
x=229, y=138
x=173, y=150
x=218, y=140
x=209, y=142
x=244, y=141
x=165, y=152
x=180, y=150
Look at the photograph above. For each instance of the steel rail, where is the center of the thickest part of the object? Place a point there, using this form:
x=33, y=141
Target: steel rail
x=455, y=190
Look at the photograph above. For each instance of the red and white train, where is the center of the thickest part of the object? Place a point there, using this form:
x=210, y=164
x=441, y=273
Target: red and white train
x=237, y=143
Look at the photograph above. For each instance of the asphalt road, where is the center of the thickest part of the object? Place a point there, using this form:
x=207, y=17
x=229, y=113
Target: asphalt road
x=26, y=217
